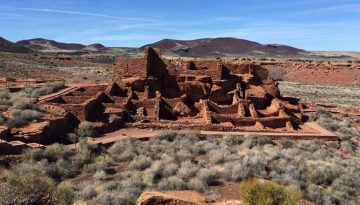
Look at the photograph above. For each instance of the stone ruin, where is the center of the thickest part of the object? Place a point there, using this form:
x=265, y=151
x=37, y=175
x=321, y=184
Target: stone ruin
x=157, y=93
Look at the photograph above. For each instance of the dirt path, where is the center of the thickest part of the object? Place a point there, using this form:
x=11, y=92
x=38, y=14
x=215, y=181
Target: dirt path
x=68, y=89
x=320, y=133
x=60, y=92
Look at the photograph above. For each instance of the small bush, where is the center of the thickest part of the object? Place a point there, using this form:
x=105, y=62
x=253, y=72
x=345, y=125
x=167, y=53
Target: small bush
x=253, y=140
x=286, y=143
x=170, y=169
x=171, y=183
x=86, y=191
x=30, y=189
x=86, y=129
x=231, y=140
x=141, y=163
x=196, y=185
x=253, y=192
x=208, y=175
x=4, y=94
x=22, y=117
x=187, y=170
x=100, y=175
x=167, y=135
x=65, y=194
x=132, y=179
x=323, y=111
x=2, y=118
x=123, y=197
x=123, y=150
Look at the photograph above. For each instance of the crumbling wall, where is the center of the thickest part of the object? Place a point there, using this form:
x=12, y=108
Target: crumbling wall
x=209, y=94
x=128, y=68
x=155, y=66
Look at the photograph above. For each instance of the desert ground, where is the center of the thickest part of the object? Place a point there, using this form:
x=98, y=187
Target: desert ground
x=146, y=128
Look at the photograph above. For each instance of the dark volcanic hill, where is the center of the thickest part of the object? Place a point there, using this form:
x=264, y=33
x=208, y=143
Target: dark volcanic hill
x=224, y=46
x=46, y=45
x=8, y=46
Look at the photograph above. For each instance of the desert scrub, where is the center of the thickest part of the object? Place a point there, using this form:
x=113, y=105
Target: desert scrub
x=2, y=118
x=342, y=127
x=254, y=192
x=48, y=89
x=22, y=108
x=172, y=183
x=57, y=161
x=22, y=104
x=175, y=161
x=325, y=94
x=34, y=189
x=86, y=129
x=22, y=117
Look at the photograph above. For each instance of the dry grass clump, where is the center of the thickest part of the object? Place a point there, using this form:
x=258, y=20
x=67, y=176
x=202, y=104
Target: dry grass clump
x=253, y=192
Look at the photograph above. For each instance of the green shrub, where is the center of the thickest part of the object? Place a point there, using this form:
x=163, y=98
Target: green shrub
x=86, y=191
x=171, y=183
x=28, y=189
x=254, y=192
x=253, y=140
x=22, y=117
x=86, y=129
x=131, y=179
x=286, y=143
x=208, y=175
x=167, y=135
x=170, y=169
x=140, y=163
x=219, y=156
x=187, y=170
x=2, y=118
x=22, y=101
x=4, y=94
x=100, y=175
x=123, y=197
x=65, y=194
x=232, y=140
x=196, y=185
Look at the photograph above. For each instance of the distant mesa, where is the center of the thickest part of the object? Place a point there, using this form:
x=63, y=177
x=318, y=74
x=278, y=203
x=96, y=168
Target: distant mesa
x=223, y=47
x=8, y=46
x=203, y=48
x=46, y=45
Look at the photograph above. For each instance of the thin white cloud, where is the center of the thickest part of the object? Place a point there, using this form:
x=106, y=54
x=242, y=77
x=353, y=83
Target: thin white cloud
x=344, y=8
x=83, y=14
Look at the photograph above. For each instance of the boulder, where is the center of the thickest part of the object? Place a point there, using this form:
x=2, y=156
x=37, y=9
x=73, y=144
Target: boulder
x=135, y=83
x=181, y=109
x=180, y=198
x=155, y=198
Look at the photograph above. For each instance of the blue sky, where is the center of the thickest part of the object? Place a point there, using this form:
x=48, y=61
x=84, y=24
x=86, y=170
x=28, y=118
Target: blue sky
x=307, y=24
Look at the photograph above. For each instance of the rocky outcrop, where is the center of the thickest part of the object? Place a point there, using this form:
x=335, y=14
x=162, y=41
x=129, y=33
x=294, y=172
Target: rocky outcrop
x=179, y=198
